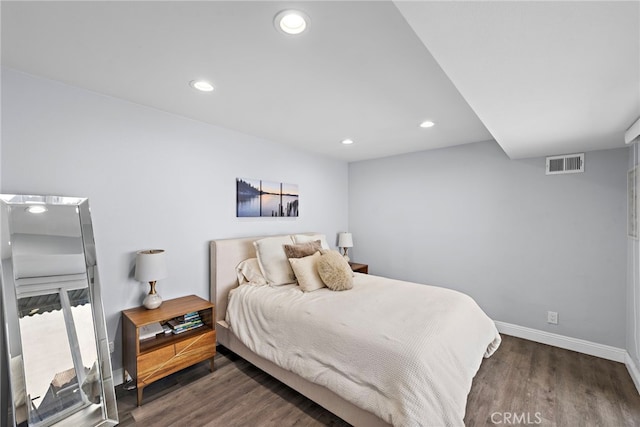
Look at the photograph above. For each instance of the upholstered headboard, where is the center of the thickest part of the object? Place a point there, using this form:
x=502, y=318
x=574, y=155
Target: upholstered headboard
x=225, y=256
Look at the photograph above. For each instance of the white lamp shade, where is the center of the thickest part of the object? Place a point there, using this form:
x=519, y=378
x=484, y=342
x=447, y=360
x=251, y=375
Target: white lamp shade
x=151, y=265
x=345, y=240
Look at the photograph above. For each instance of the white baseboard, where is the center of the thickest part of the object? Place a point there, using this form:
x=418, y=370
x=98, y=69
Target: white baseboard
x=568, y=343
x=632, y=367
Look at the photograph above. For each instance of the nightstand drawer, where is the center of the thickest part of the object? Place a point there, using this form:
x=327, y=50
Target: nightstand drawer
x=151, y=364
x=166, y=360
x=201, y=346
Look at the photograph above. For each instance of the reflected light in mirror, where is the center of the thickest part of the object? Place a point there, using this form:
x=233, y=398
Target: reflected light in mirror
x=36, y=209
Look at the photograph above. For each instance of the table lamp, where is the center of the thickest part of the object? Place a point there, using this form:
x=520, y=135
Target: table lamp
x=151, y=266
x=345, y=241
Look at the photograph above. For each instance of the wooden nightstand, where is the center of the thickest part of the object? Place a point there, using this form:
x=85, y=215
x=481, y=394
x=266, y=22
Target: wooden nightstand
x=152, y=359
x=359, y=268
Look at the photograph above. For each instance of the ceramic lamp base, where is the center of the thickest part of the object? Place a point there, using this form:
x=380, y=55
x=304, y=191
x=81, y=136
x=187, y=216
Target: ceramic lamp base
x=152, y=301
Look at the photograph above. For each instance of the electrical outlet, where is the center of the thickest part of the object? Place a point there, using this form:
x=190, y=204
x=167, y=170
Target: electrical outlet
x=112, y=347
x=552, y=317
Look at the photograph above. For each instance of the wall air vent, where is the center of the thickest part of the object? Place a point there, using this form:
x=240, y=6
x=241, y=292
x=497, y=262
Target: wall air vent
x=569, y=163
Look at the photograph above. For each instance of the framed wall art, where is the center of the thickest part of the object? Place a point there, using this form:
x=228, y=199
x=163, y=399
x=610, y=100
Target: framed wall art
x=260, y=198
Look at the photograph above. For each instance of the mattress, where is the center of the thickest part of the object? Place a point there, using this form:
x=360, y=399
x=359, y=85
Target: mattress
x=403, y=351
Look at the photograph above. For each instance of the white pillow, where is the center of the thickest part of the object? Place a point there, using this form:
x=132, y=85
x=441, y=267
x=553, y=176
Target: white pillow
x=304, y=238
x=248, y=271
x=307, y=273
x=273, y=261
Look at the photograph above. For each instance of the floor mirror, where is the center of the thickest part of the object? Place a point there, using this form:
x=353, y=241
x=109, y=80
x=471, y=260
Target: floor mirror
x=56, y=351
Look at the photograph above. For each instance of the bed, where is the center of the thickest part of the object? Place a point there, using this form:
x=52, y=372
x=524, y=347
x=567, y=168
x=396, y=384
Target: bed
x=378, y=334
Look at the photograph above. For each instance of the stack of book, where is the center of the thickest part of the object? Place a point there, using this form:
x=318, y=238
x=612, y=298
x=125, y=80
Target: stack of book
x=185, y=323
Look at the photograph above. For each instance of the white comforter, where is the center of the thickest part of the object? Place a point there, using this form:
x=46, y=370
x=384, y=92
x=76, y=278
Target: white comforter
x=404, y=351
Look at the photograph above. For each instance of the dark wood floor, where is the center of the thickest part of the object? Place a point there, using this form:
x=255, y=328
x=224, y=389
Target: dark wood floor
x=523, y=383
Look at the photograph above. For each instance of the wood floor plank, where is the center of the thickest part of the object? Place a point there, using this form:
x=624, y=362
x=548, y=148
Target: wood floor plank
x=533, y=383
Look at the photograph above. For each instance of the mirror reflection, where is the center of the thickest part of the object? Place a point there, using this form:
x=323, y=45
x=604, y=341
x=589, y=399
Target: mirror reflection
x=59, y=369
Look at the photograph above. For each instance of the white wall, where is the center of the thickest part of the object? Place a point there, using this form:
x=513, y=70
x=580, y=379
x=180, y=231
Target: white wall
x=154, y=180
x=521, y=243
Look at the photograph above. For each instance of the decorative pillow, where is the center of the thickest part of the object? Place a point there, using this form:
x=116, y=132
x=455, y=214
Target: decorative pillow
x=273, y=262
x=335, y=271
x=302, y=250
x=307, y=272
x=248, y=271
x=304, y=238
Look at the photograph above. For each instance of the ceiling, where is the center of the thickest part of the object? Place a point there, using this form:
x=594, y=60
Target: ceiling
x=545, y=77
x=541, y=78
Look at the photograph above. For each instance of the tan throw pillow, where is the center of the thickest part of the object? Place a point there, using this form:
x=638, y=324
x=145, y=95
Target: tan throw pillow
x=335, y=271
x=304, y=238
x=306, y=272
x=302, y=250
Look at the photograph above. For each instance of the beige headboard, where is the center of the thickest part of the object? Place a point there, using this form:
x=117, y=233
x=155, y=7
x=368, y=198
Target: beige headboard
x=225, y=256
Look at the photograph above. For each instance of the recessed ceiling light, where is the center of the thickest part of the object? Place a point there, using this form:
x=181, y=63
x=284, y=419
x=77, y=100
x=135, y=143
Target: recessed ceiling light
x=36, y=209
x=291, y=21
x=347, y=141
x=201, y=85
x=427, y=124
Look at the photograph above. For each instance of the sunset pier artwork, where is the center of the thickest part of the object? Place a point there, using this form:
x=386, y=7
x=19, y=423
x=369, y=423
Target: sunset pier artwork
x=260, y=198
